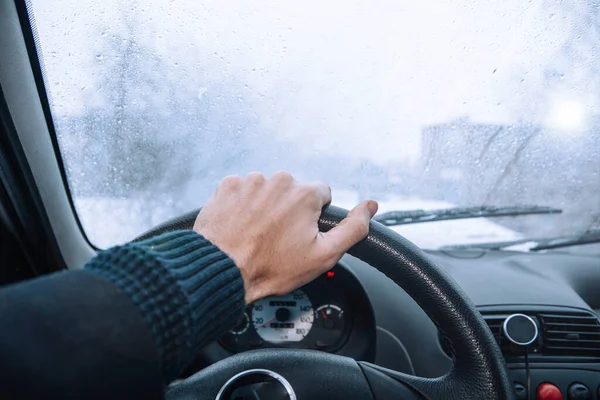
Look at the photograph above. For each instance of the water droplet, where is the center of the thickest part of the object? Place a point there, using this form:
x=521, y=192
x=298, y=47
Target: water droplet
x=201, y=92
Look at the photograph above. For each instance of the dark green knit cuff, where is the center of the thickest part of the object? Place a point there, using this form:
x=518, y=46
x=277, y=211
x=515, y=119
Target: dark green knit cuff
x=188, y=291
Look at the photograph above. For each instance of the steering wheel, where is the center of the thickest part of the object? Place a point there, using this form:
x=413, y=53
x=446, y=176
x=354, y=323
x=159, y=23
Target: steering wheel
x=478, y=372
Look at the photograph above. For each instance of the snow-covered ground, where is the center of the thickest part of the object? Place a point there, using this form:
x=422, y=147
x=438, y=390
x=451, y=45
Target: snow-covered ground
x=432, y=235
x=109, y=221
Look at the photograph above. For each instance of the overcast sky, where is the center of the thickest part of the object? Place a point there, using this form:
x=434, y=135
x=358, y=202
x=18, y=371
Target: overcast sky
x=327, y=73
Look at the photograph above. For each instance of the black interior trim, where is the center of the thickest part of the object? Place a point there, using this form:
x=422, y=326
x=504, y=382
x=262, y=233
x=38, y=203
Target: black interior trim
x=24, y=211
x=32, y=136
x=37, y=66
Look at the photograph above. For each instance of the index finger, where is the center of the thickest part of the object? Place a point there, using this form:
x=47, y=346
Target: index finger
x=351, y=230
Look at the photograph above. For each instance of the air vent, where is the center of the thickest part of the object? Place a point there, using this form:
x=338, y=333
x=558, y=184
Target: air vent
x=495, y=322
x=573, y=334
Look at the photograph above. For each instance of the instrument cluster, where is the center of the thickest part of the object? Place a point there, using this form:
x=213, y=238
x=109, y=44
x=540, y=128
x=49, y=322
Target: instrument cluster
x=317, y=316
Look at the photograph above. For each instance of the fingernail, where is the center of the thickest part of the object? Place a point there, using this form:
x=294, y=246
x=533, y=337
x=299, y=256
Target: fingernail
x=373, y=207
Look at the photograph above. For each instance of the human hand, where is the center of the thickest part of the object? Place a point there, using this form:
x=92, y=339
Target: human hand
x=269, y=228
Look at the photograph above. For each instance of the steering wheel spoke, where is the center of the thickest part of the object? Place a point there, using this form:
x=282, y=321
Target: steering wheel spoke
x=387, y=384
x=447, y=387
x=311, y=374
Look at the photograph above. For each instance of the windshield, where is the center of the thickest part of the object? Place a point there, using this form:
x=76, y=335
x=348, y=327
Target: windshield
x=418, y=104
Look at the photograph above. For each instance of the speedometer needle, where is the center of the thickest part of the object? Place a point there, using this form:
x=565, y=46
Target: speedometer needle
x=323, y=314
x=268, y=322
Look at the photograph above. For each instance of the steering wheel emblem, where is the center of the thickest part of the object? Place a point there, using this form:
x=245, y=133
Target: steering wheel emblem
x=257, y=384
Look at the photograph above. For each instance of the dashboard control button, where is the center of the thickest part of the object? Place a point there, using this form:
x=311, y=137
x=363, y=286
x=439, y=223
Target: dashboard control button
x=521, y=392
x=578, y=391
x=548, y=391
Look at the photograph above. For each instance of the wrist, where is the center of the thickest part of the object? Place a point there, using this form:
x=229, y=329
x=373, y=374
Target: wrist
x=197, y=284
x=253, y=289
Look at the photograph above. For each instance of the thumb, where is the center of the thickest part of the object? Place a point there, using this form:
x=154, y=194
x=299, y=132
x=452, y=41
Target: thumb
x=352, y=229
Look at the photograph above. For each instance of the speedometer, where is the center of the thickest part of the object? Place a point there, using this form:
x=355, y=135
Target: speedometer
x=283, y=318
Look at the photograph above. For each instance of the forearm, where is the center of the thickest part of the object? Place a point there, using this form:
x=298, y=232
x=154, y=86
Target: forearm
x=74, y=335
x=125, y=325
x=187, y=290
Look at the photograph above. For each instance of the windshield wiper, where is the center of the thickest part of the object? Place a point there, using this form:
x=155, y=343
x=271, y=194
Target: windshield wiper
x=393, y=218
x=588, y=237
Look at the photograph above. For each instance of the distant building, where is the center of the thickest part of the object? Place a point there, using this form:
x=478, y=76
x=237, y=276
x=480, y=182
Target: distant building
x=470, y=163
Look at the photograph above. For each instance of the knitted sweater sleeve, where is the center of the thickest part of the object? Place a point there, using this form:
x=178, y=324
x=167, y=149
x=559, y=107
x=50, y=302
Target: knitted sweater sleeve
x=187, y=290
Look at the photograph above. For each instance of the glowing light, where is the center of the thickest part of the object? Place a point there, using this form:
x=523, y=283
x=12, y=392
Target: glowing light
x=330, y=274
x=568, y=117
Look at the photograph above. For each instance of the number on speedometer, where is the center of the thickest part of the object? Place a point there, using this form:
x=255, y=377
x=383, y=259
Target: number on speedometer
x=282, y=319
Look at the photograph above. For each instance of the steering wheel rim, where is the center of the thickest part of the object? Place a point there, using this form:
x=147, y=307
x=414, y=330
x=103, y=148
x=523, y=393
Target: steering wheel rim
x=479, y=370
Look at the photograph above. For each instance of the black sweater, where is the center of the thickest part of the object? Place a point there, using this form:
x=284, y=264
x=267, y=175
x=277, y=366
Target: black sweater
x=122, y=327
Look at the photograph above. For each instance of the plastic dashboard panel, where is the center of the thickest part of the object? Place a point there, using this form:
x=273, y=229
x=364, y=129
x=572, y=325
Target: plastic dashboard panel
x=404, y=338
x=497, y=281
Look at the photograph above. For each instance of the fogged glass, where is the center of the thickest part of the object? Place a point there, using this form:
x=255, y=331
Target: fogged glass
x=420, y=105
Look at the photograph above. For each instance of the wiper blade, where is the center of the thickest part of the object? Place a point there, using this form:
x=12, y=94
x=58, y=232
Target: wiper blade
x=489, y=245
x=393, y=218
x=588, y=237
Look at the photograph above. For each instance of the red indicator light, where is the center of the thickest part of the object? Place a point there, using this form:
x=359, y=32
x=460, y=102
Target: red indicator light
x=330, y=274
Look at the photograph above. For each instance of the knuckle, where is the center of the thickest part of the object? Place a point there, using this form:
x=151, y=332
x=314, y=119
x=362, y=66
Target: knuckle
x=324, y=185
x=255, y=178
x=230, y=182
x=326, y=189
x=282, y=176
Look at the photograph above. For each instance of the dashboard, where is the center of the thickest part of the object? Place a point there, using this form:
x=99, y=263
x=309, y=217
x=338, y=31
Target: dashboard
x=315, y=317
x=356, y=311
